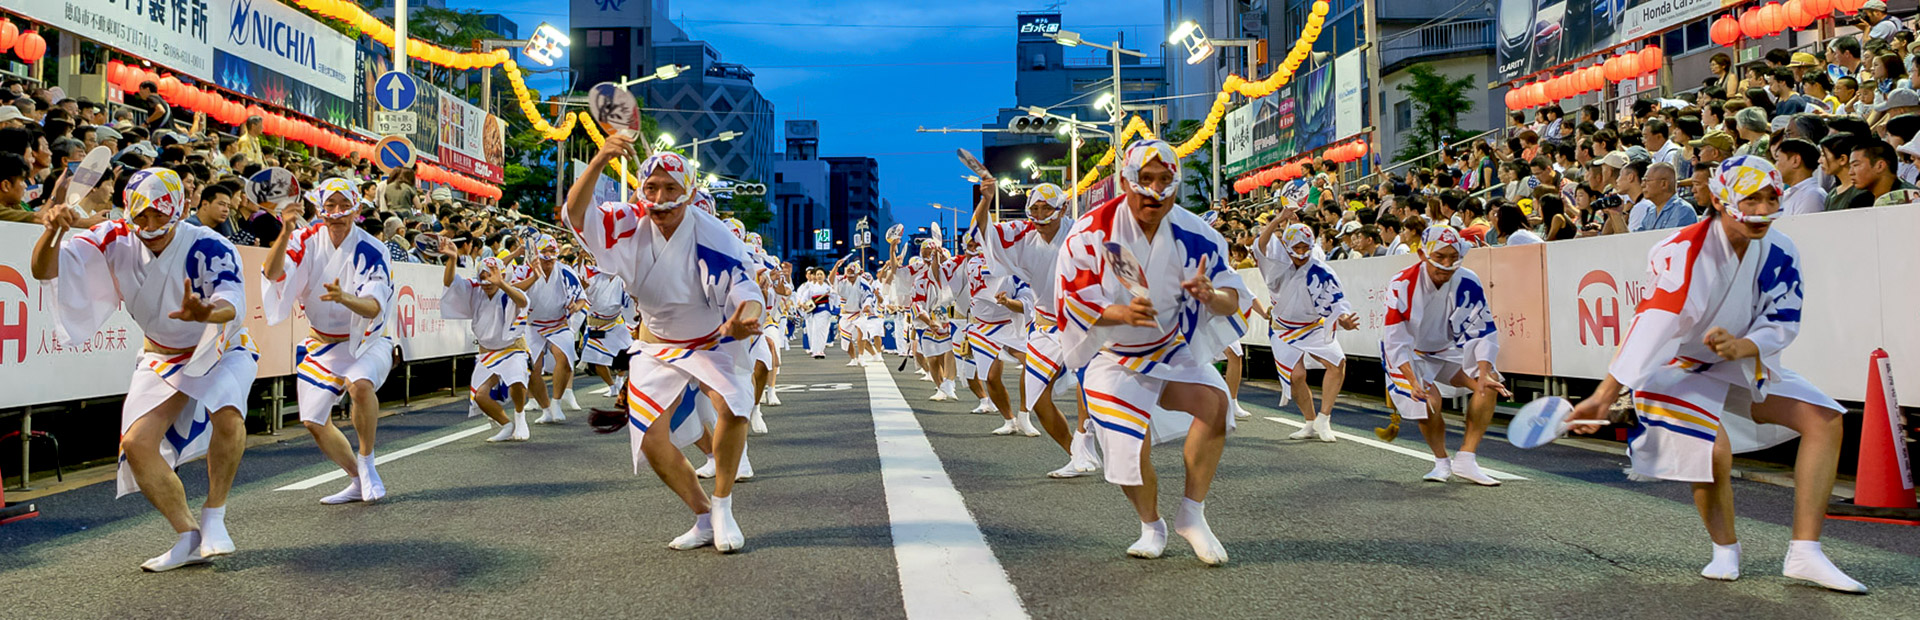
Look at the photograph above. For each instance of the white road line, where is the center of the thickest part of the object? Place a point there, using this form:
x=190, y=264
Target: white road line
x=388, y=458
x=946, y=568
x=1424, y=456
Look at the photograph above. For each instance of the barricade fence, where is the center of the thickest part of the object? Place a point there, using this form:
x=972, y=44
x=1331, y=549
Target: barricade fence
x=1562, y=307
x=36, y=369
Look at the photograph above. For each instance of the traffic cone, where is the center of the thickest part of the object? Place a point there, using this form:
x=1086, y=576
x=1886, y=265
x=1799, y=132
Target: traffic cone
x=1883, y=489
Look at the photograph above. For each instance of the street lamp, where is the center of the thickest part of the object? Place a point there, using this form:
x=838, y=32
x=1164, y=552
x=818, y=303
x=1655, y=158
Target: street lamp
x=1070, y=38
x=1199, y=48
x=666, y=142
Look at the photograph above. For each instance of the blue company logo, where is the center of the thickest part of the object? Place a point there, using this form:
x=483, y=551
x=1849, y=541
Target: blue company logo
x=611, y=5
x=259, y=29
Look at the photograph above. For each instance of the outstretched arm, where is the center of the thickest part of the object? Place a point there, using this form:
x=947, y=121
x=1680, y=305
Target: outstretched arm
x=580, y=196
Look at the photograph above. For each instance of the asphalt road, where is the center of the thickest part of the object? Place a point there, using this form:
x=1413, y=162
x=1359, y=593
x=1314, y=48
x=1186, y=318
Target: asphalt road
x=561, y=527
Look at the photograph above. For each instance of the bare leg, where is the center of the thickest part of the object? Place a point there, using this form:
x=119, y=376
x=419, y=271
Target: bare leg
x=1434, y=428
x=1206, y=438
x=229, y=443
x=672, y=466
x=141, y=445
x=729, y=441
x=537, y=381
x=1714, y=499
x=365, y=411
x=1335, y=377
x=604, y=372
x=997, y=388
x=1815, y=463
x=336, y=448
x=1051, y=419
x=482, y=397
x=1479, y=413
x=1303, y=395
x=1145, y=497
x=518, y=392
x=562, y=372
x=1234, y=369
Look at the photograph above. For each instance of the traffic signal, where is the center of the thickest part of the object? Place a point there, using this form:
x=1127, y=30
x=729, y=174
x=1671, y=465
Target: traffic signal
x=1031, y=124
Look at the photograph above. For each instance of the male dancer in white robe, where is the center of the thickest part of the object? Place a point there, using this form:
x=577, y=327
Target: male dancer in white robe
x=497, y=310
x=927, y=304
x=181, y=284
x=961, y=275
x=1702, y=356
x=553, y=290
x=1145, y=334
x=766, y=369
x=816, y=300
x=608, y=334
x=1307, y=306
x=1028, y=250
x=692, y=281
x=857, y=303
x=339, y=275
x=996, y=328
x=1440, y=332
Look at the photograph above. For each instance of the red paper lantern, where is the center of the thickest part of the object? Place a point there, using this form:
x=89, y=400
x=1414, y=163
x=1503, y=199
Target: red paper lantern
x=1650, y=60
x=1795, y=12
x=1725, y=31
x=1819, y=8
x=1750, y=23
x=1360, y=149
x=9, y=34
x=1771, y=20
x=1848, y=7
x=30, y=47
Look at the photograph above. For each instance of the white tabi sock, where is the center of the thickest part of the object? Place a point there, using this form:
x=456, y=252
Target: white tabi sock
x=213, y=532
x=1323, y=427
x=1806, y=561
x=345, y=496
x=700, y=536
x=1192, y=525
x=1153, y=540
x=520, y=429
x=1442, y=470
x=185, y=552
x=726, y=533
x=1725, y=565
x=707, y=470
x=372, y=489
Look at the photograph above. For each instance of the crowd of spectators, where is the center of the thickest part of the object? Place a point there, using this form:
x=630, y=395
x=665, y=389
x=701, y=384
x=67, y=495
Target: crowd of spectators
x=1840, y=120
x=45, y=135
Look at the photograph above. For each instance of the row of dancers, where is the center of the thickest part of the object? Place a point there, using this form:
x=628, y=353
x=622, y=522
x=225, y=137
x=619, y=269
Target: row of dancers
x=1132, y=302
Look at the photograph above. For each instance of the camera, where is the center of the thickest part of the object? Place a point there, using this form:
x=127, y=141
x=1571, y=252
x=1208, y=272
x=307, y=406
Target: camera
x=1609, y=201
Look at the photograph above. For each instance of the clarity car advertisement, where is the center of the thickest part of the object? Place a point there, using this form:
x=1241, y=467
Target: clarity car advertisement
x=1537, y=35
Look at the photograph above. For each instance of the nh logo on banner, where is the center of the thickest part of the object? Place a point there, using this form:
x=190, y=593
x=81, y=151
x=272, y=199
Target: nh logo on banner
x=1601, y=318
x=13, y=316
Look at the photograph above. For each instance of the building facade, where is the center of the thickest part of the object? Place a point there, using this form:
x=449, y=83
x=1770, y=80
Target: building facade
x=1069, y=81
x=709, y=98
x=800, y=197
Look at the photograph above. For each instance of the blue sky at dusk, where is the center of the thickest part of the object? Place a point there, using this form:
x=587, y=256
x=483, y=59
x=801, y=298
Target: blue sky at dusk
x=879, y=69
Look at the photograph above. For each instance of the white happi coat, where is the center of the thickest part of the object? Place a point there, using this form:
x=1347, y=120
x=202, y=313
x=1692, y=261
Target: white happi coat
x=927, y=301
x=1127, y=366
x=1684, y=394
x=360, y=349
x=105, y=268
x=1018, y=249
x=1307, y=301
x=550, y=313
x=499, y=327
x=687, y=287
x=608, y=333
x=1439, y=331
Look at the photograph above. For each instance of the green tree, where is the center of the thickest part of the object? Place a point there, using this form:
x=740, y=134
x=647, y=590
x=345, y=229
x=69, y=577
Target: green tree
x=752, y=211
x=1438, y=104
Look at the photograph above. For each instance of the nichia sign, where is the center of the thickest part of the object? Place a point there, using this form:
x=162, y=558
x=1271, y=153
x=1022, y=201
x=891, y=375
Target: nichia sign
x=259, y=29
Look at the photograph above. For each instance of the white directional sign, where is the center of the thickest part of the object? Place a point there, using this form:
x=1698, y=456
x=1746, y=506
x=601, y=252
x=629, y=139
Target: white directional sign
x=395, y=123
x=396, y=91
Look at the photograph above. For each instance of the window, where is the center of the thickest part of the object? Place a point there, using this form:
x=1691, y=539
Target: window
x=1403, y=116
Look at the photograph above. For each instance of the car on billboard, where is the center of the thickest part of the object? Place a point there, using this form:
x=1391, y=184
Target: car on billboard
x=1516, y=33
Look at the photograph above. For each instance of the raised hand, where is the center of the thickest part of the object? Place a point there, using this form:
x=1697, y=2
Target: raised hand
x=619, y=144
x=193, y=308
x=1200, y=287
x=1729, y=347
x=742, y=325
x=334, y=294
x=1349, y=321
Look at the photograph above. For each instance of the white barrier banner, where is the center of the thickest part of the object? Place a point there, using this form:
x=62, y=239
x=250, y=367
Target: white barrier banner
x=417, y=323
x=1364, y=281
x=33, y=364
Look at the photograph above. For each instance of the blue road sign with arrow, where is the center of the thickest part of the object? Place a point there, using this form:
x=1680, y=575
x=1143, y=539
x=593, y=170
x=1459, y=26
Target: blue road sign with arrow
x=396, y=91
x=393, y=152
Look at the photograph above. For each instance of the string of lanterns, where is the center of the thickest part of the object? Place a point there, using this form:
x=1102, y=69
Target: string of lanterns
x=29, y=46
x=1296, y=56
x=1775, y=18
x=227, y=111
x=1281, y=173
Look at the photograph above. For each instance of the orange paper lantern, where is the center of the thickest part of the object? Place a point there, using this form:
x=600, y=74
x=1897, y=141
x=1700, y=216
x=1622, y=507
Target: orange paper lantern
x=1819, y=8
x=1848, y=7
x=30, y=47
x=1650, y=60
x=1725, y=31
x=9, y=34
x=1796, y=14
x=1750, y=23
x=1770, y=19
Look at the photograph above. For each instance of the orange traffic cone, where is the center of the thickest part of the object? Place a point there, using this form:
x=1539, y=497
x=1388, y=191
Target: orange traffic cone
x=1883, y=490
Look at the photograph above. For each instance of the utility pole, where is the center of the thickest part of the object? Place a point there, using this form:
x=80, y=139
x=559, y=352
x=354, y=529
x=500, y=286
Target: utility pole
x=1373, y=80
